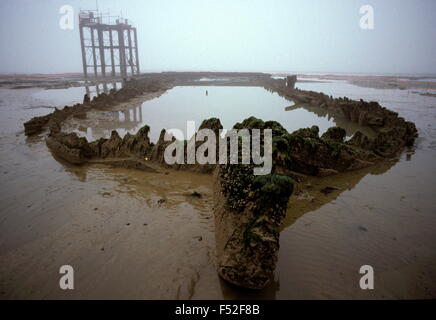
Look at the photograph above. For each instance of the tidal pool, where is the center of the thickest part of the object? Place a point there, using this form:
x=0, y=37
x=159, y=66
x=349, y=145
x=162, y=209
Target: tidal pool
x=70, y=96
x=383, y=216
x=197, y=103
x=124, y=242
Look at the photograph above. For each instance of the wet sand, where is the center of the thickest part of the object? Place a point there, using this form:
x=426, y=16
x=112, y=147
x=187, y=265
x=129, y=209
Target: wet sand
x=124, y=239
x=120, y=229
x=125, y=242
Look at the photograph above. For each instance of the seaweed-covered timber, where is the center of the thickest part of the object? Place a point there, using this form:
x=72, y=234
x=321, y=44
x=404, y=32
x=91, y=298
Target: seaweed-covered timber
x=248, y=212
x=392, y=132
x=249, y=209
x=131, y=89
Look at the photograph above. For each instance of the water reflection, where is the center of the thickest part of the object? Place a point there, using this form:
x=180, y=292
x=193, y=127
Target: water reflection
x=196, y=103
x=69, y=96
x=321, y=250
x=309, y=196
x=173, y=188
x=349, y=126
x=128, y=120
x=93, y=89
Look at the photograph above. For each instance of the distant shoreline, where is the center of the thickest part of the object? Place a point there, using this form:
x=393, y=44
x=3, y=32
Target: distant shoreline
x=65, y=80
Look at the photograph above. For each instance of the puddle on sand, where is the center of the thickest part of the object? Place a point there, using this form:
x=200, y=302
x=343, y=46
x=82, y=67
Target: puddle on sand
x=130, y=235
x=383, y=216
x=197, y=103
x=126, y=243
x=70, y=96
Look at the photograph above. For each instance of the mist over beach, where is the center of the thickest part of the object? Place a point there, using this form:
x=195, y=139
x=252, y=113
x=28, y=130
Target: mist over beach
x=91, y=92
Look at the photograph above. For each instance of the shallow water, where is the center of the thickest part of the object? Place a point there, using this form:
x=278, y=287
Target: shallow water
x=70, y=96
x=384, y=217
x=109, y=223
x=197, y=103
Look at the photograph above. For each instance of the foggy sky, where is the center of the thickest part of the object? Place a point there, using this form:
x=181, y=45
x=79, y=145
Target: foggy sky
x=233, y=35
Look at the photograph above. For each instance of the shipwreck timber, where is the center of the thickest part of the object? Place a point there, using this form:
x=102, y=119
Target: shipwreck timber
x=248, y=209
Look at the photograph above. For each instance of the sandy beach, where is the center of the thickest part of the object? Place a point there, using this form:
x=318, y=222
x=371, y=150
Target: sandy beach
x=140, y=235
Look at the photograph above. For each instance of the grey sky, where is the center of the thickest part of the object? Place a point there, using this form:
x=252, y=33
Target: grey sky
x=233, y=35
